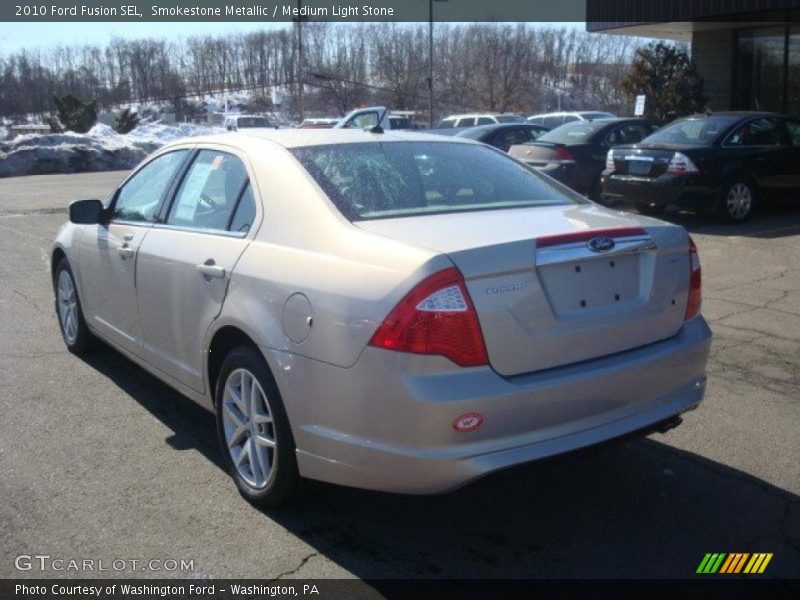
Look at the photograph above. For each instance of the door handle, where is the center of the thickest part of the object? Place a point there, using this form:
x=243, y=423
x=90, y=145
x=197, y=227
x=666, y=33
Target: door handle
x=128, y=237
x=210, y=270
x=126, y=251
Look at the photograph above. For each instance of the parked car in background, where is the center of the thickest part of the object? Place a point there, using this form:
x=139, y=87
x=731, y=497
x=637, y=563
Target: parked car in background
x=237, y=122
x=392, y=311
x=374, y=116
x=471, y=120
x=556, y=119
x=317, y=123
x=575, y=153
x=724, y=163
x=503, y=135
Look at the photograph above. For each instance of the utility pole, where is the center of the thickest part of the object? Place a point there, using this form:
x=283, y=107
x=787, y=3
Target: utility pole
x=430, y=58
x=430, y=61
x=299, y=21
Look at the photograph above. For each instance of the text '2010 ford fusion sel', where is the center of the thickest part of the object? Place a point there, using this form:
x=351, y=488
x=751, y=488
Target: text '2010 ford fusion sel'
x=391, y=311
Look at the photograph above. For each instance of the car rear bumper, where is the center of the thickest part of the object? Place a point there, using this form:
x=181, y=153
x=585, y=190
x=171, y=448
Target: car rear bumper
x=681, y=190
x=387, y=422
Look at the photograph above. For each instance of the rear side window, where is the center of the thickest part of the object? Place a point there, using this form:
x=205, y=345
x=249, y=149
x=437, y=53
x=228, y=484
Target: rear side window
x=245, y=212
x=397, y=179
x=209, y=192
x=553, y=122
x=512, y=137
x=140, y=197
x=485, y=121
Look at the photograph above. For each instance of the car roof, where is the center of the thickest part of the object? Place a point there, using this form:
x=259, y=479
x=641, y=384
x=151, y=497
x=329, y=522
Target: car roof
x=299, y=138
x=499, y=126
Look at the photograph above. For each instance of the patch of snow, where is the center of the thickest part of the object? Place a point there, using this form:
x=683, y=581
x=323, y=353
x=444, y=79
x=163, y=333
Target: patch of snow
x=100, y=149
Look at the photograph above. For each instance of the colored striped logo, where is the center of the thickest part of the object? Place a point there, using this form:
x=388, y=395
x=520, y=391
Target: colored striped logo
x=734, y=563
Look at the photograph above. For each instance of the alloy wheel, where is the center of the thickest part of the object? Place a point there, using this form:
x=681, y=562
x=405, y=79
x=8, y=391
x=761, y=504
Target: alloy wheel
x=249, y=428
x=67, y=306
x=739, y=201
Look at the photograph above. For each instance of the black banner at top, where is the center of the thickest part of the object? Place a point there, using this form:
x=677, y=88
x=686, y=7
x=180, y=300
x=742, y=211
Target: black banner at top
x=291, y=10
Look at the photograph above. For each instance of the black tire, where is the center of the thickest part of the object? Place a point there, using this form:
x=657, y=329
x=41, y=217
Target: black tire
x=653, y=210
x=596, y=191
x=284, y=480
x=733, y=205
x=77, y=337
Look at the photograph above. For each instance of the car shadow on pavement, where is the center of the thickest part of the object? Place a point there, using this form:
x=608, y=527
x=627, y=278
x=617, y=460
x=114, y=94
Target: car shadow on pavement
x=772, y=221
x=638, y=509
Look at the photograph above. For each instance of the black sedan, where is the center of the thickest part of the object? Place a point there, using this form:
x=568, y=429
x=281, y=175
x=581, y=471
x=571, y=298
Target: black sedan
x=721, y=162
x=575, y=153
x=503, y=135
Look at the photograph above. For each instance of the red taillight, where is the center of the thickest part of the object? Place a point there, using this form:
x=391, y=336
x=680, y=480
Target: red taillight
x=436, y=317
x=695, y=283
x=680, y=164
x=562, y=155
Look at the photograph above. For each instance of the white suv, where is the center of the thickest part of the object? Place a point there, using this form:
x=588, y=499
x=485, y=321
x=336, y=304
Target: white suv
x=471, y=120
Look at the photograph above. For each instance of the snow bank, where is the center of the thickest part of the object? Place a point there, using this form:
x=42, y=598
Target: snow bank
x=101, y=149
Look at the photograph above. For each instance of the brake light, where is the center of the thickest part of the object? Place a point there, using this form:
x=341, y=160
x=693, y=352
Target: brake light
x=610, y=166
x=680, y=164
x=562, y=155
x=695, y=283
x=436, y=317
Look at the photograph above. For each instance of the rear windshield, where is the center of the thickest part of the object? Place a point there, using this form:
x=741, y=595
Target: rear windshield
x=252, y=122
x=510, y=119
x=576, y=132
x=698, y=131
x=398, y=179
x=596, y=115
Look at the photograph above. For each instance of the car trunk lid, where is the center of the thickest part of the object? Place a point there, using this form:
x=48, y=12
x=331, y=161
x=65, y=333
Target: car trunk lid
x=541, y=154
x=555, y=286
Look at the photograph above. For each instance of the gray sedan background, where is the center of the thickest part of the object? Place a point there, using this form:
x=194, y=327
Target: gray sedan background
x=80, y=443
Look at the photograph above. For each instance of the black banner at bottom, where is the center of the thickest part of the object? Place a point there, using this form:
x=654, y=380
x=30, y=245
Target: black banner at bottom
x=415, y=589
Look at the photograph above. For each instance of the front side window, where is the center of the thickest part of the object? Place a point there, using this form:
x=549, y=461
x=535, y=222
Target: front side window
x=760, y=132
x=140, y=197
x=397, y=179
x=366, y=120
x=209, y=192
x=485, y=121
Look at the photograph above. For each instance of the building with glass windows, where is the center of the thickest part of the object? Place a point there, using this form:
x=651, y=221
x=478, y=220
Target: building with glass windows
x=748, y=51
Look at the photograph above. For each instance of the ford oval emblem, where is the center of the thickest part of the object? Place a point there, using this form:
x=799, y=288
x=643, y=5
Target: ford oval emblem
x=468, y=422
x=601, y=243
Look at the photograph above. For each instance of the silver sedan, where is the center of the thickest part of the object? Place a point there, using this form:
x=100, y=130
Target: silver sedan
x=392, y=311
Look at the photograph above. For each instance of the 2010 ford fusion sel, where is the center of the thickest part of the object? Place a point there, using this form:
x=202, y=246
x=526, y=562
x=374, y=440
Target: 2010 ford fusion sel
x=393, y=311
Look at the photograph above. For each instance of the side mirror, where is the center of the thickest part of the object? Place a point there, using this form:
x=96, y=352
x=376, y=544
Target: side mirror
x=86, y=212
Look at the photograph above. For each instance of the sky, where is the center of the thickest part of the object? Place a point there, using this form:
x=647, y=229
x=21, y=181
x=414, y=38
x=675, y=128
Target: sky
x=17, y=36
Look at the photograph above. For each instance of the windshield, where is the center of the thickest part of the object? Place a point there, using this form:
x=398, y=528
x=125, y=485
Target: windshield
x=697, y=131
x=510, y=119
x=397, y=179
x=252, y=122
x=576, y=132
x=596, y=115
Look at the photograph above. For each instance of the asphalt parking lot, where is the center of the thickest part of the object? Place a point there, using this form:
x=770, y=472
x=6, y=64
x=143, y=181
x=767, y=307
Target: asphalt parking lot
x=98, y=460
